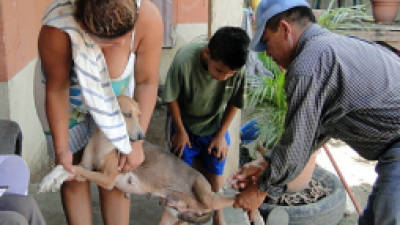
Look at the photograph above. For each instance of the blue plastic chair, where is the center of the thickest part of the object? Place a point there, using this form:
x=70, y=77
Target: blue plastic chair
x=249, y=132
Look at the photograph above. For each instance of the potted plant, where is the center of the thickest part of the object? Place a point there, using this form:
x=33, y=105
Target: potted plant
x=268, y=98
x=384, y=11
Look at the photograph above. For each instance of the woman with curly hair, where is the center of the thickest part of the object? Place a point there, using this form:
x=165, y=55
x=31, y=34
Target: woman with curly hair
x=90, y=52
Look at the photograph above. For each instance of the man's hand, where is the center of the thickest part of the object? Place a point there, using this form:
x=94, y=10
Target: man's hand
x=134, y=159
x=250, y=199
x=64, y=158
x=248, y=174
x=179, y=140
x=219, y=144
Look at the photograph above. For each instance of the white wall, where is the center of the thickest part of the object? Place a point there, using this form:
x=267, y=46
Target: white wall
x=183, y=33
x=226, y=12
x=21, y=109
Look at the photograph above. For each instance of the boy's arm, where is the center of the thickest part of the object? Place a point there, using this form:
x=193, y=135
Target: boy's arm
x=175, y=111
x=229, y=114
x=218, y=142
x=236, y=102
x=180, y=138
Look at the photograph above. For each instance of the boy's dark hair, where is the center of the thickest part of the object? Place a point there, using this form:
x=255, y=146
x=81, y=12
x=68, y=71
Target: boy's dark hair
x=300, y=15
x=230, y=45
x=106, y=18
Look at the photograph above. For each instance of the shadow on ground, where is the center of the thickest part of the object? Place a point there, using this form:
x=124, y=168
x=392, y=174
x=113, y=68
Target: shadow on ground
x=361, y=193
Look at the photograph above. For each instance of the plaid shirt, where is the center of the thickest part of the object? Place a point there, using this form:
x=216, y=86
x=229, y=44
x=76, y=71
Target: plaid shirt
x=340, y=87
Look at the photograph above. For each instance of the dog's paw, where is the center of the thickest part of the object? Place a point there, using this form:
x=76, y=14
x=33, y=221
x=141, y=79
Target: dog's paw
x=80, y=178
x=52, y=181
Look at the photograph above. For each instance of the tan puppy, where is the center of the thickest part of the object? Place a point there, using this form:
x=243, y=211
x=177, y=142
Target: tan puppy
x=183, y=190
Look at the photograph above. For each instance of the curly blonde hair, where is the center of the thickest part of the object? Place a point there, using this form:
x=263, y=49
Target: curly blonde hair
x=106, y=18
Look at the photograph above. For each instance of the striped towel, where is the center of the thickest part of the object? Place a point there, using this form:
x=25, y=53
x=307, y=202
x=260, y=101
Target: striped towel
x=91, y=69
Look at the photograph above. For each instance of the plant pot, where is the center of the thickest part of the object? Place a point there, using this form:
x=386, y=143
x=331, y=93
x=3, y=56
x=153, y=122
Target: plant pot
x=254, y=4
x=384, y=11
x=326, y=211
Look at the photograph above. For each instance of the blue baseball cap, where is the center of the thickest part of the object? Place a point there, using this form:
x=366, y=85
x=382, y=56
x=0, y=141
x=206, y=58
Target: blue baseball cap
x=266, y=10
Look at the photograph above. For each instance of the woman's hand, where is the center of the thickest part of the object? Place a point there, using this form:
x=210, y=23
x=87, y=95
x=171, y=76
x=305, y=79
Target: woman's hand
x=129, y=162
x=218, y=147
x=179, y=140
x=65, y=158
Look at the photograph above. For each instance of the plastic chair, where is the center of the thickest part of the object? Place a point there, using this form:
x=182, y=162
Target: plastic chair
x=10, y=138
x=14, y=173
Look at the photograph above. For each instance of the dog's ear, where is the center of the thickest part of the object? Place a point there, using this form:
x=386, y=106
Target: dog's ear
x=128, y=105
x=135, y=108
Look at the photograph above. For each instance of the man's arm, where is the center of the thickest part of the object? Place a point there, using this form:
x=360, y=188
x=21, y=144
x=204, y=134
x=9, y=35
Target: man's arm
x=296, y=145
x=290, y=155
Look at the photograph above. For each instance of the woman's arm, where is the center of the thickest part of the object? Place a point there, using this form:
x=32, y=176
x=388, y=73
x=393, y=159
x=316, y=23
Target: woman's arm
x=148, y=43
x=147, y=63
x=55, y=54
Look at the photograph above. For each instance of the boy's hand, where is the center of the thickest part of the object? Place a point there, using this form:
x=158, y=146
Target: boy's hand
x=179, y=140
x=220, y=147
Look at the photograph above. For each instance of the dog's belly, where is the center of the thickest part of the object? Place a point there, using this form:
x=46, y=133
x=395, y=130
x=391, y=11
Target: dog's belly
x=130, y=183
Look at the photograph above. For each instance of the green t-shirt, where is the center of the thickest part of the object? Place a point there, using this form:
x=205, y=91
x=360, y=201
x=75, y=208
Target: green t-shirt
x=201, y=98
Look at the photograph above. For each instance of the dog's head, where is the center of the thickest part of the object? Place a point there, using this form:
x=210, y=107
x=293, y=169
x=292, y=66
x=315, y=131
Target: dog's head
x=130, y=111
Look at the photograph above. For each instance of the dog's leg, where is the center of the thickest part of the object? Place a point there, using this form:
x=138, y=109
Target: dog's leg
x=258, y=219
x=87, y=157
x=107, y=177
x=181, y=201
x=167, y=218
x=210, y=199
x=89, y=151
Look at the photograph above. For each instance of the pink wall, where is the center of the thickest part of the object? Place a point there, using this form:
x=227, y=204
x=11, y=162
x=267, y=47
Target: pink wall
x=20, y=22
x=190, y=11
x=2, y=49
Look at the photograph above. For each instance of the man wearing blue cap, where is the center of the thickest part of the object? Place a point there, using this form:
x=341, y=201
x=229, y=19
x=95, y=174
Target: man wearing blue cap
x=337, y=87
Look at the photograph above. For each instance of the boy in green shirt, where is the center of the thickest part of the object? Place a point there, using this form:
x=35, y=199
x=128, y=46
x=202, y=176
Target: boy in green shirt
x=205, y=87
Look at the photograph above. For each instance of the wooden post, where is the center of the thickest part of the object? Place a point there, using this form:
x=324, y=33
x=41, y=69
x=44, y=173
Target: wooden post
x=341, y=177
